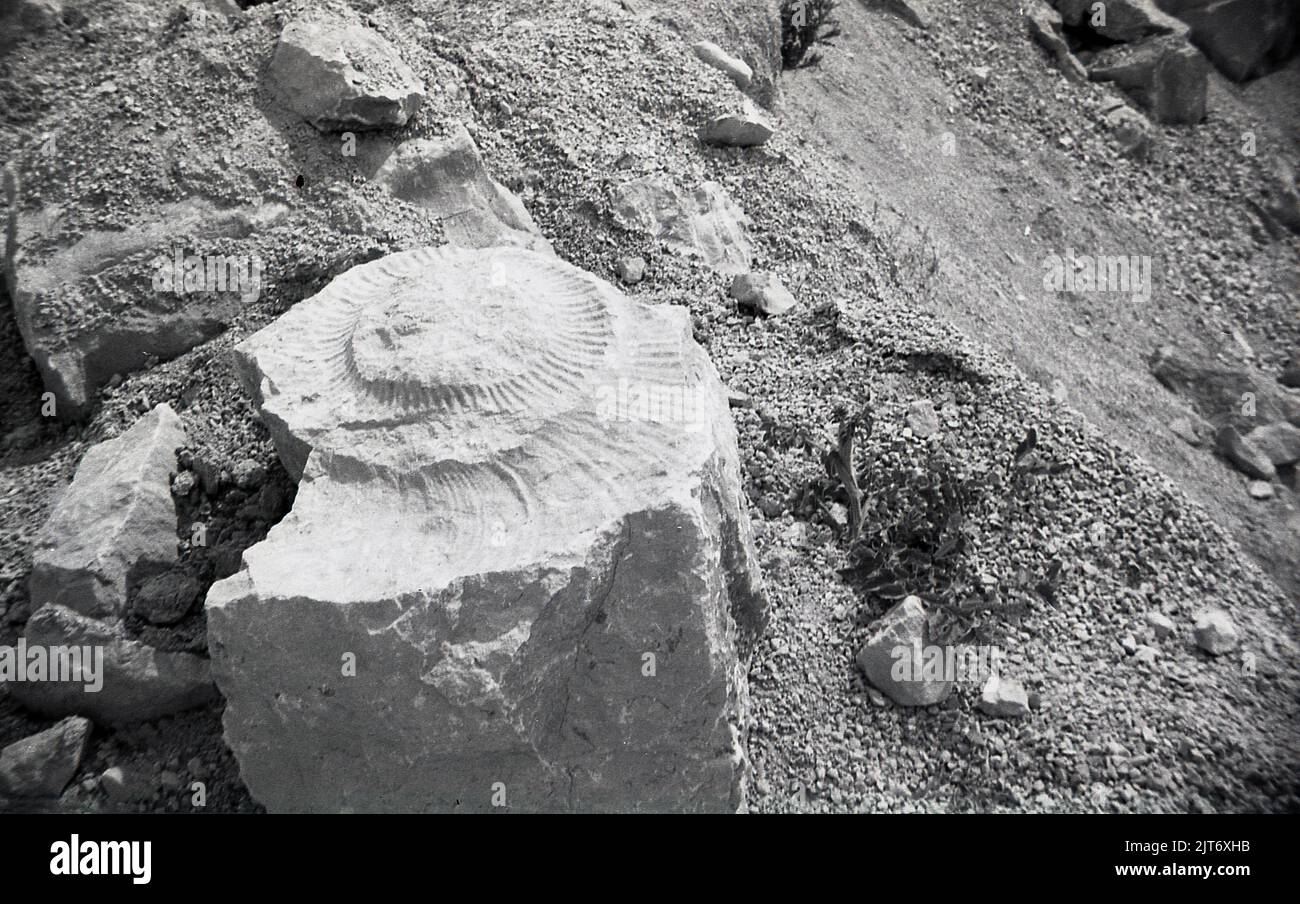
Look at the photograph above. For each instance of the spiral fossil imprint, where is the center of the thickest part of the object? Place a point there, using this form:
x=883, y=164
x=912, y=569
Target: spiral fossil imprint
x=466, y=391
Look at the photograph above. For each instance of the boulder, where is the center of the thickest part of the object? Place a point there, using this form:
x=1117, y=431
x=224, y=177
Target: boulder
x=737, y=70
x=1280, y=442
x=1224, y=395
x=894, y=655
x=1215, y=631
x=447, y=176
x=338, y=74
x=544, y=590
x=762, y=292
x=115, y=523
x=1243, y=455
x=739, y=130
x=704, y=222
x=42, y=765
x=1165, y=75
x=110, y=302
x=1243, y=38
x=137, y=682
x=1119, y=20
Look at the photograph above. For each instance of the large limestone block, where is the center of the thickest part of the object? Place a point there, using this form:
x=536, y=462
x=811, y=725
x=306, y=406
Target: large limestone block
x=338, y=74
x=447, y=176
x=109, y=303
x=520, y=516
x=114, y=523
x=704, y=222
x=1166, y=75
x=1244, y=38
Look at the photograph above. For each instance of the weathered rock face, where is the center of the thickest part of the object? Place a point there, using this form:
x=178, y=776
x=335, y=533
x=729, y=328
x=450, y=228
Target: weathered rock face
x=115, y=522
x=1244, y=38
x=520, y=517
x=110, y=302
x=447, y=176
x=133, y=681
x=705, y=222
x=1166, y=75
x=338, y=74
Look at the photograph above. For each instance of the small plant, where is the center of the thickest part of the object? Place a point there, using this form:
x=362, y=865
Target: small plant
x=805, y=23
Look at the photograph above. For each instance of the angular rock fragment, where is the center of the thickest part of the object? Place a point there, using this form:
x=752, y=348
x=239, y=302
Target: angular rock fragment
x=1243, y=455
x=114, y=523
x=762, y=292
x=42, y=765
x=1222, y=394
x=736, y=70
x=166, y=599
x=1047, y=28
x=1279, y=442
x=1133, y=131
x=922, y=418
x=704, y=222
x=1165, y=75
x=113, y=301
x=1003, y=697
x=447, y=177
x=1215, y=631
x=895, y=655
x=520, y=517
x=338, y=74
x=738, y=130
x=129, y=680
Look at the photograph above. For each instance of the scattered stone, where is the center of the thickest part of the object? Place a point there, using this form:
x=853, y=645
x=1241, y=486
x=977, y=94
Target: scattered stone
x=42, y=765
x=981, y=75
x=183, y=484
x=1279, y=442
x=736, y=70
x=1290, y=375
x=486, y=420
x=1215, y=632
x=166, y=599
x=631, y=270
x=1260, y=489
x=762, y=292
x=913, y=12
x=248, y=474
x=1165, y=75
x=338, y=74
x=1004, y=698
x=1145, y=654
x=704, y=222
x=447, y=176
x=1243, y=455
x=138, y=682
x=1162, y=626
x=922, y=418
x=900, y=638
x=116, y=518
x=127, y=785
x=1133, y=131
x=740, y=130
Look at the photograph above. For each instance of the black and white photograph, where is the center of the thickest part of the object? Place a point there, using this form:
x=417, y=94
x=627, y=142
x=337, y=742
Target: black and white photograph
x=650, y=407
